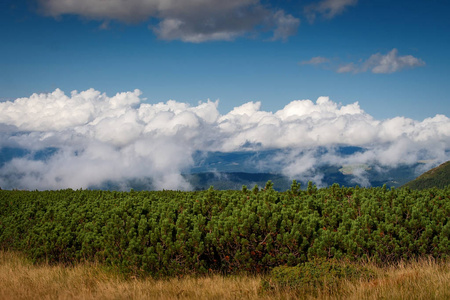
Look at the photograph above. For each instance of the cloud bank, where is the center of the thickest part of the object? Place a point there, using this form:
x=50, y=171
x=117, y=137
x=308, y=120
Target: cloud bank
x=98, y=138
x=186, y=20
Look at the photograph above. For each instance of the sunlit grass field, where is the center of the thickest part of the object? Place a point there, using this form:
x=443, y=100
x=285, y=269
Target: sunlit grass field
x=20, y=279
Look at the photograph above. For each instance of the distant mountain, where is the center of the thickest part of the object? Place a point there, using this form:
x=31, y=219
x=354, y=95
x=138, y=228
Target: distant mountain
x=348, y=175
x=438, y=177
x=235, y=180
x=232, y=170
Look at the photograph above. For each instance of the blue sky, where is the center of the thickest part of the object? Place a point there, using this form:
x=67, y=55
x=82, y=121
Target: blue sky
x=113, y=90
x=46, y=46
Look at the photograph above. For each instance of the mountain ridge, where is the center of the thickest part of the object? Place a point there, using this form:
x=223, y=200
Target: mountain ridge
x=437, y=177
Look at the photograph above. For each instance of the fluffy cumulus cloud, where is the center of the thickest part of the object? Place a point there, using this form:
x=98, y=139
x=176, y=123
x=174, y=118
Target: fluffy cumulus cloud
x=327, y=8
x=186, y=20
x=382, y=64
x=94, y=138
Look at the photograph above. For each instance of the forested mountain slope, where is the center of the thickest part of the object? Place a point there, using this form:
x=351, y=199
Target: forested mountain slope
x=438, y=177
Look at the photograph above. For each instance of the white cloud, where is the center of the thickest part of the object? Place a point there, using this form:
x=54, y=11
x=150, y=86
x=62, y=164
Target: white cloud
x=56, y=111
x=382, y=64
x=174, y=29
x=328, y=8
x=186, y=20
x=286, y=25
x=315, y=61
x=347, y=68
x=376, y=63
x=100, y=138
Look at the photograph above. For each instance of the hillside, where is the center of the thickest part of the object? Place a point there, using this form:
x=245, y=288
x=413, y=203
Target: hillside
x=438, y=177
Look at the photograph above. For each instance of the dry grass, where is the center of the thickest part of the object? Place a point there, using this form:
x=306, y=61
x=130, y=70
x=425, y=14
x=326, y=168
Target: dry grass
x=19, y=279
x=424, y=279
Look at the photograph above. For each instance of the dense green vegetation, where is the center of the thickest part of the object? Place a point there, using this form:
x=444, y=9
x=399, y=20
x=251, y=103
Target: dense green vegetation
x=254, y=230
x=438, y=177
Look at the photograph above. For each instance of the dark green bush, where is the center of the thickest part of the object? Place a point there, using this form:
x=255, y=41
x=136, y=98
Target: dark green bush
x=313, y=275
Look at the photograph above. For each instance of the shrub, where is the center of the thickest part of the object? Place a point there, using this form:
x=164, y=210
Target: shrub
x=311, y=276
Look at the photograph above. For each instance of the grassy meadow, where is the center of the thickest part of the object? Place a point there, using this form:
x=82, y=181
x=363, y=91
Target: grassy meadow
x=20, y=279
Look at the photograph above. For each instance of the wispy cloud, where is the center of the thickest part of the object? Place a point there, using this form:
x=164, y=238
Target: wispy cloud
x=376, y=63
x=189, y=20
x=382, y=64
x=327, y=8
x=286, y=25
x=315, y=61
x=100, y=138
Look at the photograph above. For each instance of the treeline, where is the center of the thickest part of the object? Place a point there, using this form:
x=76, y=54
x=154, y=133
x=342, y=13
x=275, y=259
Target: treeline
x=173, y=232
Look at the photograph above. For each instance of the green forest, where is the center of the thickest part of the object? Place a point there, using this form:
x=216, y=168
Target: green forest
x=166, y=233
